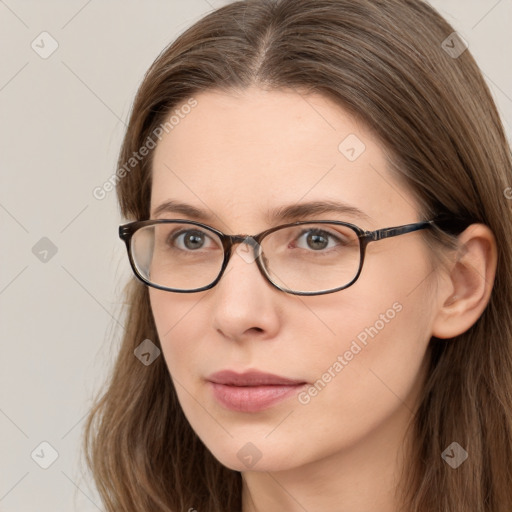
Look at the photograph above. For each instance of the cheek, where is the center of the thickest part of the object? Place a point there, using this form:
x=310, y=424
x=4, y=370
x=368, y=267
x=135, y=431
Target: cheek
x=178, y=327
x=373, y=364
x=364, y=382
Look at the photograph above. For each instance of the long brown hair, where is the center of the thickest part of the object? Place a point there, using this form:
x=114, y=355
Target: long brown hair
x=392, y=64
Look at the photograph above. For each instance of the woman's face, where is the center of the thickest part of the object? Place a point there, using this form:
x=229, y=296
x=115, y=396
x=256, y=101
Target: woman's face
x=355, y=358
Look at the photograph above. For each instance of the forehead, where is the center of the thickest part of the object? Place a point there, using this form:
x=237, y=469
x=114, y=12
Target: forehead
x=242, y=154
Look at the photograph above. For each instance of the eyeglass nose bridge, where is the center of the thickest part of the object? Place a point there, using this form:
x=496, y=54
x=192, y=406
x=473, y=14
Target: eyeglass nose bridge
x=240, y=239
x=251, y=241
x=229, y=242
x=251, y=256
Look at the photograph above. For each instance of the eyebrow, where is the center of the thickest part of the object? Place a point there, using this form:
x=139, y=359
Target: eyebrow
x=286, y=213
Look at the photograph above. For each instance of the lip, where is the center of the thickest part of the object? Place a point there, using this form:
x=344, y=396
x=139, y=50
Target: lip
x=251, y=378
x=251, y=391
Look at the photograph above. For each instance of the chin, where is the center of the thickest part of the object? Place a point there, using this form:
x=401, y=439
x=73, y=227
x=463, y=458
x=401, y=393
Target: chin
x=247, y=456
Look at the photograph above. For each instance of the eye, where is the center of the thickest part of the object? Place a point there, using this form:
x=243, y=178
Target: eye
x=318, y=240
x=191, y=240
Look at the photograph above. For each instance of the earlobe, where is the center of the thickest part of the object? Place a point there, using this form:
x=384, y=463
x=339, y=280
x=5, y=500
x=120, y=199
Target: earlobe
x=470, y=279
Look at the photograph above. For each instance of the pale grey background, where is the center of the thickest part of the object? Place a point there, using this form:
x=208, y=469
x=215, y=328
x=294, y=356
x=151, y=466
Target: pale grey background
x=62, y=120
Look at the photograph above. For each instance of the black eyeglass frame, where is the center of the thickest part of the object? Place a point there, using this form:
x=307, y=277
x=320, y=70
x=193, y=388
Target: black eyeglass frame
x=126, y=232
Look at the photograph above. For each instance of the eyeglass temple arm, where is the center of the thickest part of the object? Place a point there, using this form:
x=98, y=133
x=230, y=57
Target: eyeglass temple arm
x=379, y=234
x=449, y=224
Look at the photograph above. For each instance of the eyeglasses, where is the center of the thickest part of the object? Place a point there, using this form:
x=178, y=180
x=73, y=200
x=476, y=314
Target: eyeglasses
x=301, y=258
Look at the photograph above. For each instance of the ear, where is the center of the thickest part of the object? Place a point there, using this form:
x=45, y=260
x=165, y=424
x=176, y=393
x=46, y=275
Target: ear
x=469, y=282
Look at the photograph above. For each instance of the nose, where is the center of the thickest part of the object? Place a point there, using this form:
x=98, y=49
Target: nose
x=244, y=303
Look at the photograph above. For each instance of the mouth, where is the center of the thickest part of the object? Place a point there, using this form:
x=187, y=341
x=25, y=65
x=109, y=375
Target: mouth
x=251, y=391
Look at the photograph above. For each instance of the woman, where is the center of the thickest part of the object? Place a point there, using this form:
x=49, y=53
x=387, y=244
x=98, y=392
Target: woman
x=318, y=360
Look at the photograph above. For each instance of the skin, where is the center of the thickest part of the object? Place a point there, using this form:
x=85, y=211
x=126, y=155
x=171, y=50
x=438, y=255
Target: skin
x=238, y=156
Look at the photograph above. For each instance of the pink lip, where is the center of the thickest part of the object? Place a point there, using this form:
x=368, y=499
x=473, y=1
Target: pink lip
x=251, y=391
